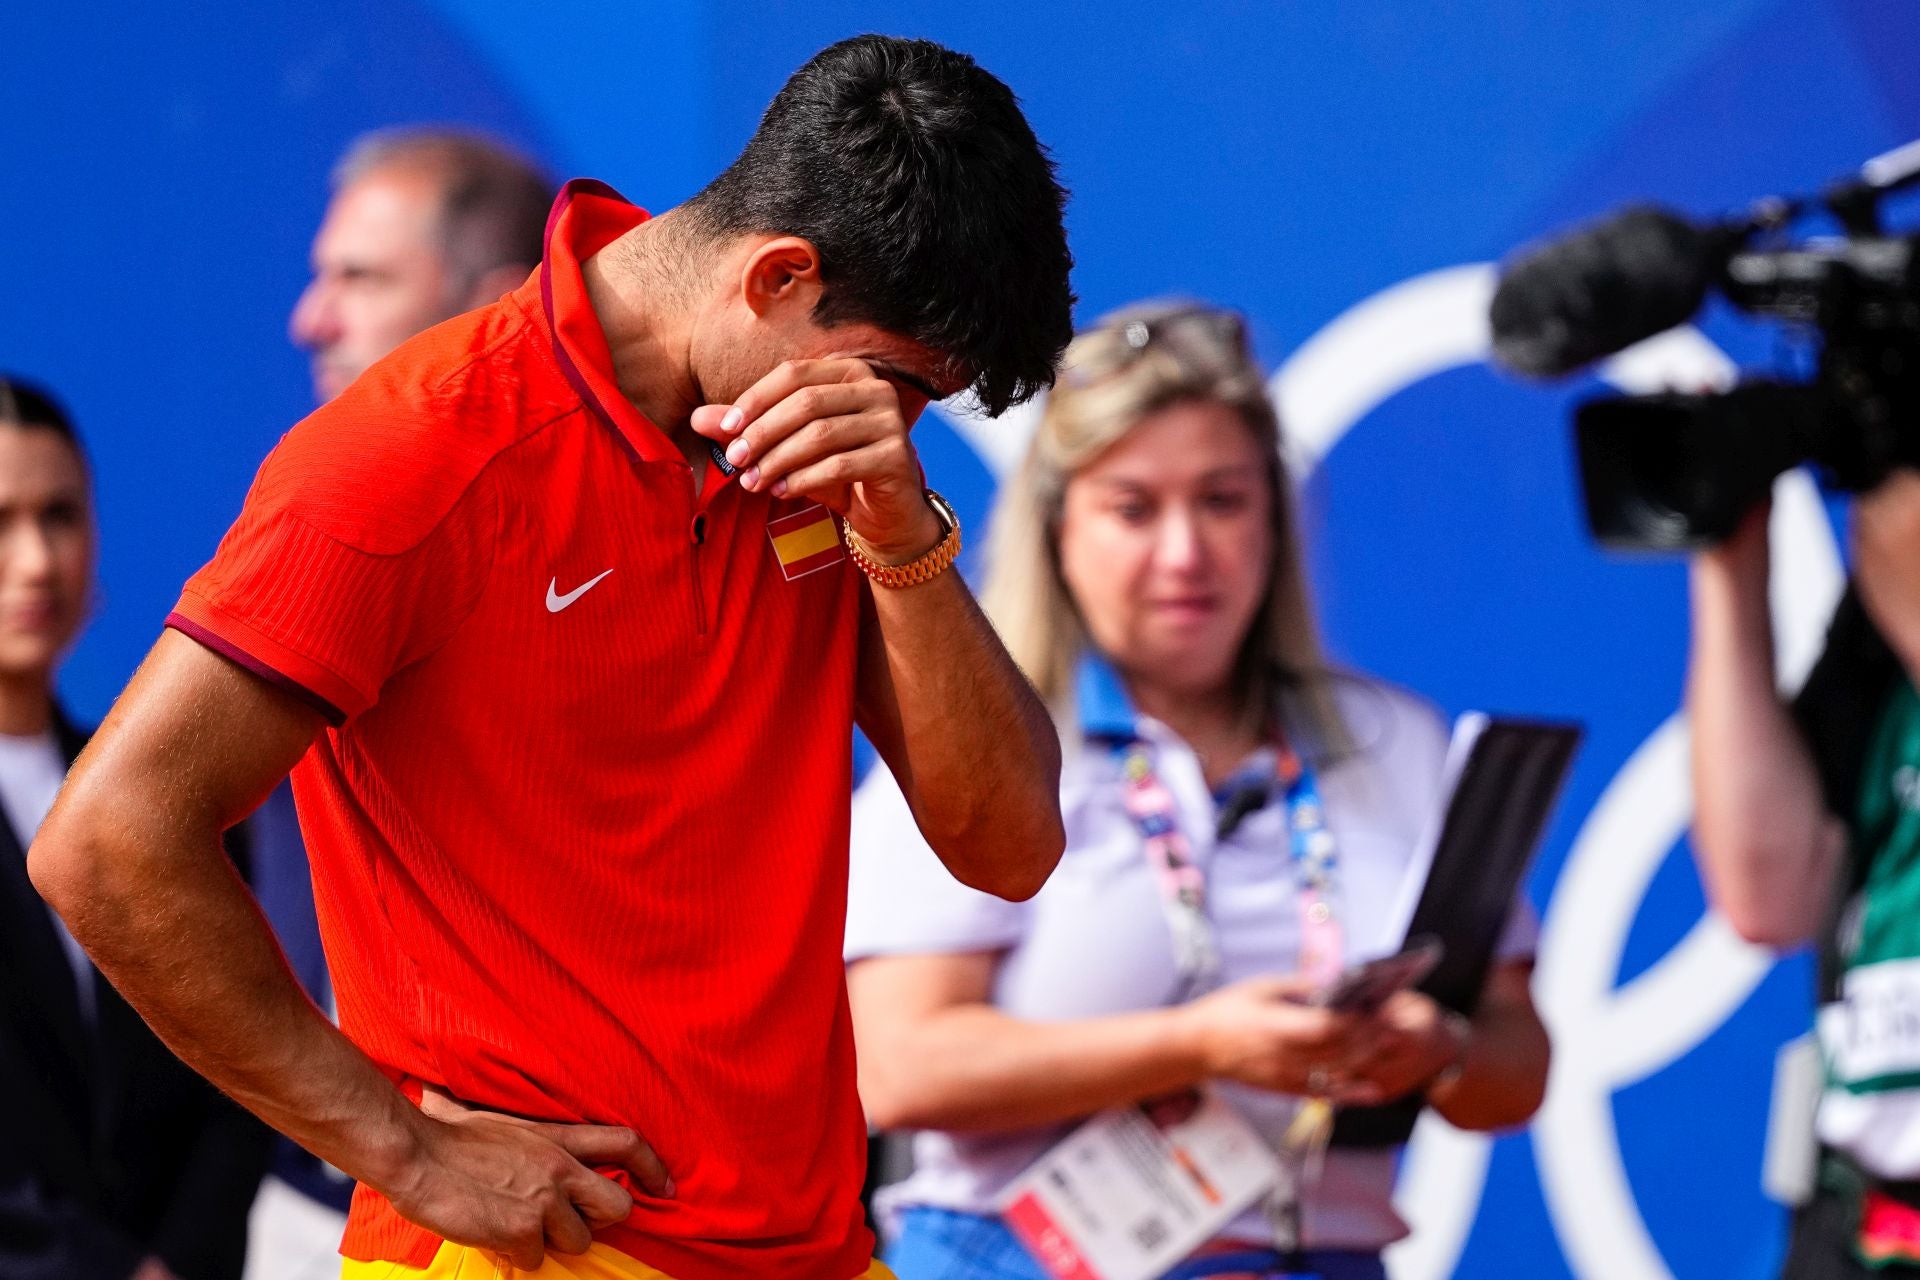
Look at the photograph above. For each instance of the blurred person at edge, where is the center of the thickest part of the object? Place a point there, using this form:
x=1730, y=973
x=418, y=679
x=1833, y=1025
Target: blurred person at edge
x=1807, y=831
x=423, y=224
x=1146, y=574
x=116, y=1160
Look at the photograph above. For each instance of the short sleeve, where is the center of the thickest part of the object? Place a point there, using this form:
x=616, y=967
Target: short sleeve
x=1520, y=939
x=1841, y=702
x=334, y=577
x=901, y=898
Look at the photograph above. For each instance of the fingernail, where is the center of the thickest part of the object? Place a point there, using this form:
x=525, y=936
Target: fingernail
x=750, y=478
x=780, y=488
x=737, y=453
x=731, y=422
x=668, y=1193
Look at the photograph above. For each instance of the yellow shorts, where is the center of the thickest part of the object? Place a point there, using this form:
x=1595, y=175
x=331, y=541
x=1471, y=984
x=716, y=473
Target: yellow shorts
x=457, y=1262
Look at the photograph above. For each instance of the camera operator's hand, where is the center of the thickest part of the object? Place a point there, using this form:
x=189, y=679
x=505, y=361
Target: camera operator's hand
x=1886, y=564
x=1742, y=560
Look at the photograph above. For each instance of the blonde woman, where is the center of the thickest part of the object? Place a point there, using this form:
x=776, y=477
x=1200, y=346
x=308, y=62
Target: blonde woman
x=1238, y=819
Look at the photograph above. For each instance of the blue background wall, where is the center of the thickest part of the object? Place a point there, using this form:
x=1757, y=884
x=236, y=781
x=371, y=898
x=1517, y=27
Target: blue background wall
x=162, y=169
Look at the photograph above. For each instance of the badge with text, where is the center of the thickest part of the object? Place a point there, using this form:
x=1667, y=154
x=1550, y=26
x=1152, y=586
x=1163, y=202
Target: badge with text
x=1136, y=1189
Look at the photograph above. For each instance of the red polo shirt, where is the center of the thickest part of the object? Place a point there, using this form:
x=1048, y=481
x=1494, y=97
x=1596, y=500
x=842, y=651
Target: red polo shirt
x=579, y=827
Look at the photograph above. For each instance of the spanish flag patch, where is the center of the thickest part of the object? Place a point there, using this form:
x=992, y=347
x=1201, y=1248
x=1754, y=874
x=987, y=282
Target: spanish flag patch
x=806, y=541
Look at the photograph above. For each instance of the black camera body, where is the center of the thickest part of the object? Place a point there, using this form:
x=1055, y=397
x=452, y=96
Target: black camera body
x=1679, y=471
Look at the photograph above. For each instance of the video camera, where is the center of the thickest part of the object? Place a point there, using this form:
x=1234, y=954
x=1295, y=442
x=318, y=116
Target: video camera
x=1676, y=471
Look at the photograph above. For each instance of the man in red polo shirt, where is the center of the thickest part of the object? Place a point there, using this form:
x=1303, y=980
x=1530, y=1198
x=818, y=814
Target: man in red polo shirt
x=565, y=611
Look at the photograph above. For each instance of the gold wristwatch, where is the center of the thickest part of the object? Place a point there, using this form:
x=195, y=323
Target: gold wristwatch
x=914, y=572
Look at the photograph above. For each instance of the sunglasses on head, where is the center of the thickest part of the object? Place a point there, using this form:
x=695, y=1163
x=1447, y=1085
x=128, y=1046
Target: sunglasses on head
x=1206, y=336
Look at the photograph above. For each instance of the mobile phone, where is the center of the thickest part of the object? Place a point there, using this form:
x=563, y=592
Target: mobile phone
x=1362, y=988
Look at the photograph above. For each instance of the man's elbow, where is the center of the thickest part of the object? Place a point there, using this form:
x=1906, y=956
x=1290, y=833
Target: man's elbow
x=1771, y=883
x=62, y=865
x=1010, y=864
x=1765, y=925
x=1044, y=845
x=1022, y=883
x=1756, y=911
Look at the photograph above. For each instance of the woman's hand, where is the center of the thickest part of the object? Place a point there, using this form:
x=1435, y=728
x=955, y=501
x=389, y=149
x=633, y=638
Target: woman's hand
x=1261, y=1032
x=1414, y=1041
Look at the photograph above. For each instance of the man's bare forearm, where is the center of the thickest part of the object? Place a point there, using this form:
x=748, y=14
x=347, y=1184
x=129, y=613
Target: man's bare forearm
x=168, y=921
x=130, y=857
x=969, y=741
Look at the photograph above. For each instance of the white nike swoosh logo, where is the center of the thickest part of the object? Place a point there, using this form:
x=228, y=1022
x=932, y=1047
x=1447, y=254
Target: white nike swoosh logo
x=556, y=602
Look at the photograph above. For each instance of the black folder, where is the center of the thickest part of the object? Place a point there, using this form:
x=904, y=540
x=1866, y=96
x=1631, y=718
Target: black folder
x=1501, y=798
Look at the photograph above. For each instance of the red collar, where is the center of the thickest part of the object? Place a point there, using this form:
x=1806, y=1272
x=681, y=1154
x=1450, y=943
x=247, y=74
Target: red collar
x=587, y=216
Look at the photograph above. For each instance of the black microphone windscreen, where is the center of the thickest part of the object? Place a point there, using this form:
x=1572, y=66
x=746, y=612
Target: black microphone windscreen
x=1603, y=287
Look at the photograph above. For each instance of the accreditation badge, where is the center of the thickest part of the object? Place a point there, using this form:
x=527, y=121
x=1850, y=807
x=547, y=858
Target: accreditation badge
x=1870, y=1037
x=1136, y=1189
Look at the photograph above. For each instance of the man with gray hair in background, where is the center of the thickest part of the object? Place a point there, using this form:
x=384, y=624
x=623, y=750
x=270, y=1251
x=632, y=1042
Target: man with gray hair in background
x=423, y=224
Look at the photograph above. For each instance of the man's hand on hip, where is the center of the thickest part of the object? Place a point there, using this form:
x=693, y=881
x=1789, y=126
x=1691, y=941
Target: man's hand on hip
x=520, y=1187
x=836, y=432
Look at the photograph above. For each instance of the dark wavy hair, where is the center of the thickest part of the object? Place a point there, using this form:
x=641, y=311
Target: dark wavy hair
x=935, y=210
